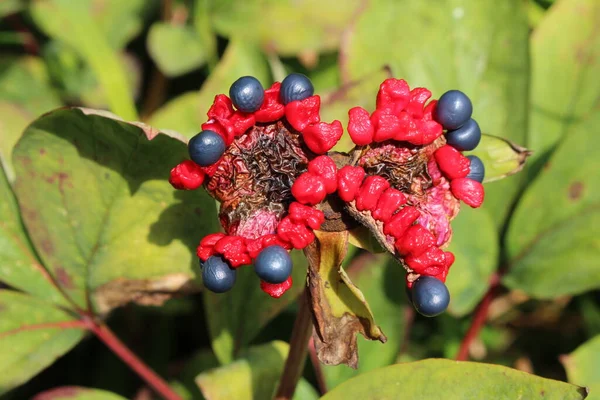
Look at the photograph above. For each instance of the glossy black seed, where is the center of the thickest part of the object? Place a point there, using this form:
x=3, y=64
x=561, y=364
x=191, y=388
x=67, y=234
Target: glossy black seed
x=273, y=264
x=217, y=276
x=477, y=171
x=430, y=296
x=453, y=109
x=206, y=148
x=465, y=138
x=295, y=87
x=247, y=94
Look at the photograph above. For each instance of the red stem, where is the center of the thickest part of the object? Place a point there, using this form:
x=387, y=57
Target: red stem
x=104, y=333
x=478, y=319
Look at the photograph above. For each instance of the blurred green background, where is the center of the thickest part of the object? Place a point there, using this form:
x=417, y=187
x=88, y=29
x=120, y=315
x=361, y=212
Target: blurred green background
x=530, y=67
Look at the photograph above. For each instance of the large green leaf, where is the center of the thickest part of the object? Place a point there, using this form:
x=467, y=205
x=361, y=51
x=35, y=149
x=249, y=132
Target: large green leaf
x=104, y=220
x=479, y=47
x=33, y=334
x=381, y=280
x=564, y=87
x=72, y=23
x=287, y=27
x=19, y=266
x=552, y=239
x=236, y=317
x=583, y=366
x=76, y=393
x=475, y=245
x=254, y=376
x=167, y=43
x=25, y=92
x=187, y=112
x=448, y=380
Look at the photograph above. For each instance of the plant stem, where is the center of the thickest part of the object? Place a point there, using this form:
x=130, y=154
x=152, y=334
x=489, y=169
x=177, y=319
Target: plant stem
x=478, y=319
x=294, y=365
x=153, y=380
x=314, y=359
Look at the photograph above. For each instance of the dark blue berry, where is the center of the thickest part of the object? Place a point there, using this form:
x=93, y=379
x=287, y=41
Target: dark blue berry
x=466, y=137
x=430, y=296
x=453, y=109
x=247, y=94
x=295, y=87
x=273, y=264
x=477, y=172
x=206, y=148
x=217, y=276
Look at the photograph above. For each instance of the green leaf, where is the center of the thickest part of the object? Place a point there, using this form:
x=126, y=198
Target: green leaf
x=236, y=317
x=8, y=7
x=33, y=334
x=476, y=259
x=430, y=379
x=19, y=266
x=72, y=23
x=479, y=47
x=583, y=366
x=552, y=245
x=104, y=220
x=565, y=85
x=285, y=27
x=500, y=157
x=340, y=309
x=76, y=393
x=381, y=279
x=176, y=49
x=255, y=375
x=187, y=112
x=25, y=92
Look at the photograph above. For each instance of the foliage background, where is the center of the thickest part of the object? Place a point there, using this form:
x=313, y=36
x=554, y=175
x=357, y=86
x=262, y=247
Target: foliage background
x=531, y=253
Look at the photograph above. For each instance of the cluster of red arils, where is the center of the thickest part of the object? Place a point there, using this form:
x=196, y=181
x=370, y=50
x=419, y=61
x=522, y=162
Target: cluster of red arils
x=267, y=162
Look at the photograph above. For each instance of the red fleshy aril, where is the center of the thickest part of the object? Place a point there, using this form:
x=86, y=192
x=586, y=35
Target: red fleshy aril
x=349, y=180
x=221, y=107
x=276, y=290
x=386, y=126
x=393, y=95
x=306, y=215
x=431, y=262
x=388, y=204
x=401, y=221
x=320, y=137
x=325, y=167
x=241, y=122
x=468, y=190
x=301, y=113
x=415, y=241
x=369, y=192
x=309, y=189
x=226, y=132
x=428, y=110
x=255, y=246
x=233, y=249
x=451, y=162
x=271, y=109
x=360, y=127
x=418, y=98
x=206, y=247
x=297, y=234
x=187, y=175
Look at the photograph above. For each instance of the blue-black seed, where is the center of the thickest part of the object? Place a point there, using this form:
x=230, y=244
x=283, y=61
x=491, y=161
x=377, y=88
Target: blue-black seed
x=477, y=169
x=465, y=138
x=273, y=264
x=295, y=87
x=217, y=276
x=206, y=148
x=247, y=94
x=453, y=110
x=430, y=296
